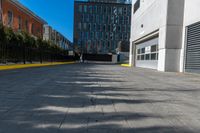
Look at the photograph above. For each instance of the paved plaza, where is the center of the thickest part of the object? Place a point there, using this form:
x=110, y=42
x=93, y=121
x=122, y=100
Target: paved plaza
x=98, y=98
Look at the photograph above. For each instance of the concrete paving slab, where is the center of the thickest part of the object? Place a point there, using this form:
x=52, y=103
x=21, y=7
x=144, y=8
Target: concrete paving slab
x=98, y=97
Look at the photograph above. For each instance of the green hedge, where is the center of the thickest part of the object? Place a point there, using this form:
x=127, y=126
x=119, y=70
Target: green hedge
x=22, y=47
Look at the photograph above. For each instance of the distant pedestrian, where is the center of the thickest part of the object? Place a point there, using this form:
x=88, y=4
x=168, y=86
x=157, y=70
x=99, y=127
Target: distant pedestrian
x=81, y=58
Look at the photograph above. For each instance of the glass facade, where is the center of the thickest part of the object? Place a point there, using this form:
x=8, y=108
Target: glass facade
x=101, y=27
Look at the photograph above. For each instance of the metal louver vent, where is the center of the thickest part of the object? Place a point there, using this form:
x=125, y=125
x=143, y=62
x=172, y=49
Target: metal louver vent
x=193, y=48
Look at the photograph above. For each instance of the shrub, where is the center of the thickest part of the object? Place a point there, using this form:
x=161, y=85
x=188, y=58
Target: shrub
x=21, y=47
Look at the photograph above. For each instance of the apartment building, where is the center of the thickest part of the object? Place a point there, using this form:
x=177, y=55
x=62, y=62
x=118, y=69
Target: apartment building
x=101, y=26
x=19, y=18
x=57, y=38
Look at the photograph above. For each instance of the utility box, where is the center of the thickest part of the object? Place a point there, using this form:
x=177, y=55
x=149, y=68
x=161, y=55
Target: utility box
x=114, y=58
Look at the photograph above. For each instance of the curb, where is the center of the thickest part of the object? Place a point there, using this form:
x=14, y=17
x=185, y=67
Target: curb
x=22, y=66
x=126, y=65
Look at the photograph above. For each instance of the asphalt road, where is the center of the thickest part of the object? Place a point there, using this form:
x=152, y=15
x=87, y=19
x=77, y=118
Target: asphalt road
x=98, y=98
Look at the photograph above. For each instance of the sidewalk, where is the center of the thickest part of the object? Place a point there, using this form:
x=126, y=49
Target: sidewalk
x=21, y=66
x=98, y=98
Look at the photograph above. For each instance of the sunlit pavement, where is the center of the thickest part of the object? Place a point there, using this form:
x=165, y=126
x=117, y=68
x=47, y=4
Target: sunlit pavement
x=98, y=98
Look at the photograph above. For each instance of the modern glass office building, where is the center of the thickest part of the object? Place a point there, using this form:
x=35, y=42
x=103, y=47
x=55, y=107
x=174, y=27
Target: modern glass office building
x=102, y=26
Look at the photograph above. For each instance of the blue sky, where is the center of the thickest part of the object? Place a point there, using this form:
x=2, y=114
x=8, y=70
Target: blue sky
x=58, y=14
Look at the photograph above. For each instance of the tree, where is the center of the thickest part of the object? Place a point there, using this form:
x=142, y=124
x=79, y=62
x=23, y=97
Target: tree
x=2, y=42
x=21, y=45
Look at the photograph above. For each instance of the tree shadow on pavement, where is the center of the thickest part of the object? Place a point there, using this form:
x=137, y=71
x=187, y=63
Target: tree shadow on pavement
x=80, y=98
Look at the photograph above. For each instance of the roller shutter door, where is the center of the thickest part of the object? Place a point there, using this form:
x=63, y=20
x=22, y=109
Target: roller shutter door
x=193, y=49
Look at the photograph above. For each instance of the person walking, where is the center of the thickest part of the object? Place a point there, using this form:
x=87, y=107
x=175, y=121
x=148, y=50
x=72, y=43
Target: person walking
x=81, y=58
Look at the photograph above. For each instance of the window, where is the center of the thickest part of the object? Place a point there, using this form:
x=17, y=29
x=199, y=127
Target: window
x=90, y=9
x=142, y=57
x=91, y=18
x=114, y=28
x=89, y=27
x=95, y=9
x=138, y=51
x=138, y=57
x=148, y=53
x=108, y=44
x=102, y=35
x=97, y=19
x=82, y=18
x=85, y=8
x=147, y=56
x=94, y=27
x=143, y=50
x=38, y=31
x=84, y=26
x=80, y=8
x=109, y=29
x=32, y=29
x=120, y=36
x=79, y=26
x=119, y=28
x=97, y=35
x=99, y=9
x=136, y=5
x=19, y=23
x=125, y=10
x=120, y=10
x=10, y=18
x=154, y=48
x=112, y=19
x=111, y=36
x=104, y=10
x=104, y=28
x=107, y=34
x=109, y=10
x=115, y=10
x=98, y=27
x=126, y=37
x=153, y=56
x=86, y=35
x=87, y=18
x=26, y=25
x=92, y=35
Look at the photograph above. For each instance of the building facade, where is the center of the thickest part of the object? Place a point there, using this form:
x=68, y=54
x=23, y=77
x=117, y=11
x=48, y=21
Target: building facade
x=156, y=34
x=112, y=1
x=0, y=10
x=101, y=26
x=56, y=38
x=190, y=52
x=165, y=35
x=19, y=18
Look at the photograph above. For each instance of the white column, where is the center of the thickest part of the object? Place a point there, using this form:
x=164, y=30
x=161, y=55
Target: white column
x=131, y=54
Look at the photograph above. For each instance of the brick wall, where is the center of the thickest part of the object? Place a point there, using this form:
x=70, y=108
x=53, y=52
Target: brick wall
x=29, y=23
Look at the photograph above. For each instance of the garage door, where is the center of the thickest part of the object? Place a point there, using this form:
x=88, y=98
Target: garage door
x=147, y=54
x=193, y=49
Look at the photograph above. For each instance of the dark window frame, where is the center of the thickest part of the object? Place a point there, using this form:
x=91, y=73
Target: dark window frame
x=136, y=6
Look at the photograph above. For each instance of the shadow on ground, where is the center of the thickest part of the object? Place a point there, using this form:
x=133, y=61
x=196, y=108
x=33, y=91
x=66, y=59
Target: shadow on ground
x=80, y=98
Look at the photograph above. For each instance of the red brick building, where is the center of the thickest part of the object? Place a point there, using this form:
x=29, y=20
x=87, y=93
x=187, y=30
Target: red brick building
x=17, y=16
